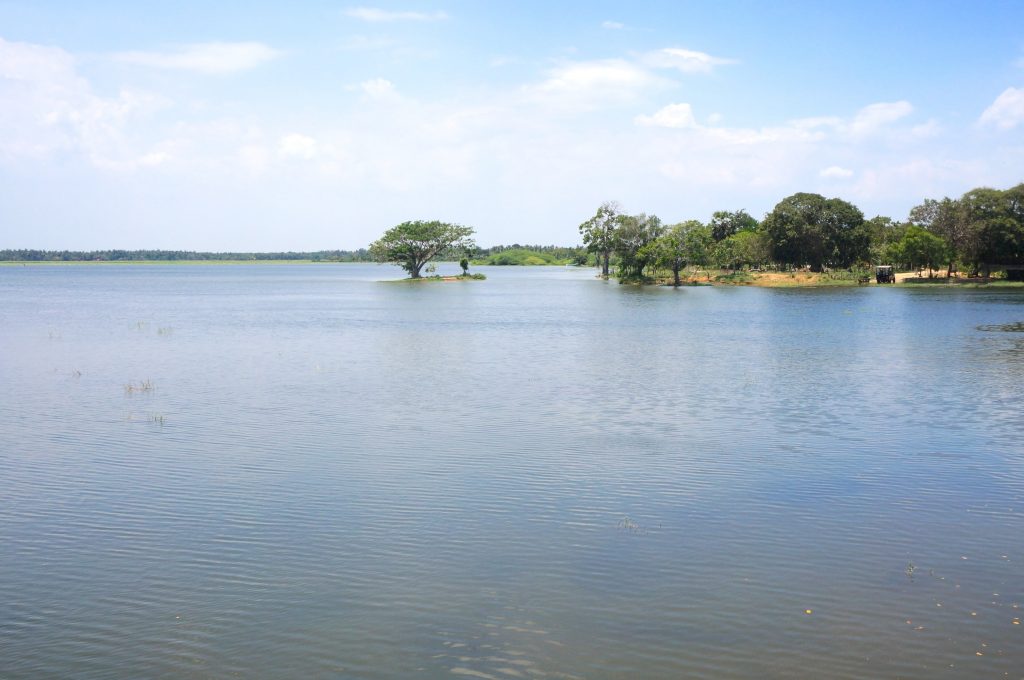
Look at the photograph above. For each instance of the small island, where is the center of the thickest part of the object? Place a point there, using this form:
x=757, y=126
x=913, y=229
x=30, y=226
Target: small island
x=411, y=245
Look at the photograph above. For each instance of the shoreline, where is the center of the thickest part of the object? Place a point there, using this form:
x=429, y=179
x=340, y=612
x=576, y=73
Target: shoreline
x=806, y=279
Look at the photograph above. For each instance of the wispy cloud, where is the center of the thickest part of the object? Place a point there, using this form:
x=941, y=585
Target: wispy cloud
x=613, y=78
x=612, y=25
x=687, y=61
x=215, y=58
x=836, y=172
x=874, y=117
x=377, y=15
x=53, y=108
x=295, y=145
x=671, y=116
x=377, y=88
x=1006, y=112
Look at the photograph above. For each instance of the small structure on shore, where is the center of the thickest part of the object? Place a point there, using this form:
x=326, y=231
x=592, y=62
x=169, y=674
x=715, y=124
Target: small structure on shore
x=885, y=274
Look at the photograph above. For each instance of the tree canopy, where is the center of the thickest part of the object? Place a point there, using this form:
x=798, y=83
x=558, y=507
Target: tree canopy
x=725, y=224
x=809, y=229
x=633, y=234
x=921, y=248
x=411, y=245
x=599, y=233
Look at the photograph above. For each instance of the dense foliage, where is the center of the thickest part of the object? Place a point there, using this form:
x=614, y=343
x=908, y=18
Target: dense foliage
x=982, y=231
x=809, y=229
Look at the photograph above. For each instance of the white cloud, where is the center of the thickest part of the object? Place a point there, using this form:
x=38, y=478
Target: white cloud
x=296, y=145
x=377, y=88
x=606, y=80
x=836, y=172
x=563, y=140
x=612, y=25
x=680, y=116
x=687, y=61
x=34, y=63
x=929, y=128
x=154, y=158
x=46, y=107
x=1006, y=112
x=215, y=58
x=671, y=116
x=874, y=117
x=376, y=15
x=254, y=158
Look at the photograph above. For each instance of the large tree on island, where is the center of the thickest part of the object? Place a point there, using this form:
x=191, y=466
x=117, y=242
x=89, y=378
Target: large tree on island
x=411, y=245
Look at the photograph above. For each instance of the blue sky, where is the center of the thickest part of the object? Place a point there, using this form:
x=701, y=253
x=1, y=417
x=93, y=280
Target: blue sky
x=256, y=126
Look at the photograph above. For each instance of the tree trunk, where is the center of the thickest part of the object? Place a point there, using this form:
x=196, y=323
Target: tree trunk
x=604, y=264
x=675, y=275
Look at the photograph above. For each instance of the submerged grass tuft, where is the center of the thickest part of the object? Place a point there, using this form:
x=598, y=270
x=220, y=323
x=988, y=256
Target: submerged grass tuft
x=143, y=386
x=627, y=524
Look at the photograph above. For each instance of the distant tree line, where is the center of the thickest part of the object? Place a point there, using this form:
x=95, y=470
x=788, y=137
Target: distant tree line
x=517, y=254
x=361, y=255
x=981, y=231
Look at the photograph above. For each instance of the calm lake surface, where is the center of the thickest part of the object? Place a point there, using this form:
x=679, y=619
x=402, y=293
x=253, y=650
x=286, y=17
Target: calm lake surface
x=297, y=471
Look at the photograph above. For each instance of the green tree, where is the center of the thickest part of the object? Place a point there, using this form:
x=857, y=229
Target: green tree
x=993, y=224
x=411, y=245
x=668, y=251
x=599, y=233
x=746, y=248
x=921, y=248
x=632, y=235
x=698, y=243
x=809, y=229
x=725, y=224
x=883, y=234
x=946, y=219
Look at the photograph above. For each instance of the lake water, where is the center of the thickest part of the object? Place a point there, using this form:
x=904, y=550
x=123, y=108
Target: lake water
x=297, y=471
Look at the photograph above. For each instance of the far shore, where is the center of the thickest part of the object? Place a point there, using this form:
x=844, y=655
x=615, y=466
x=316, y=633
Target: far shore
x=61, y=263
